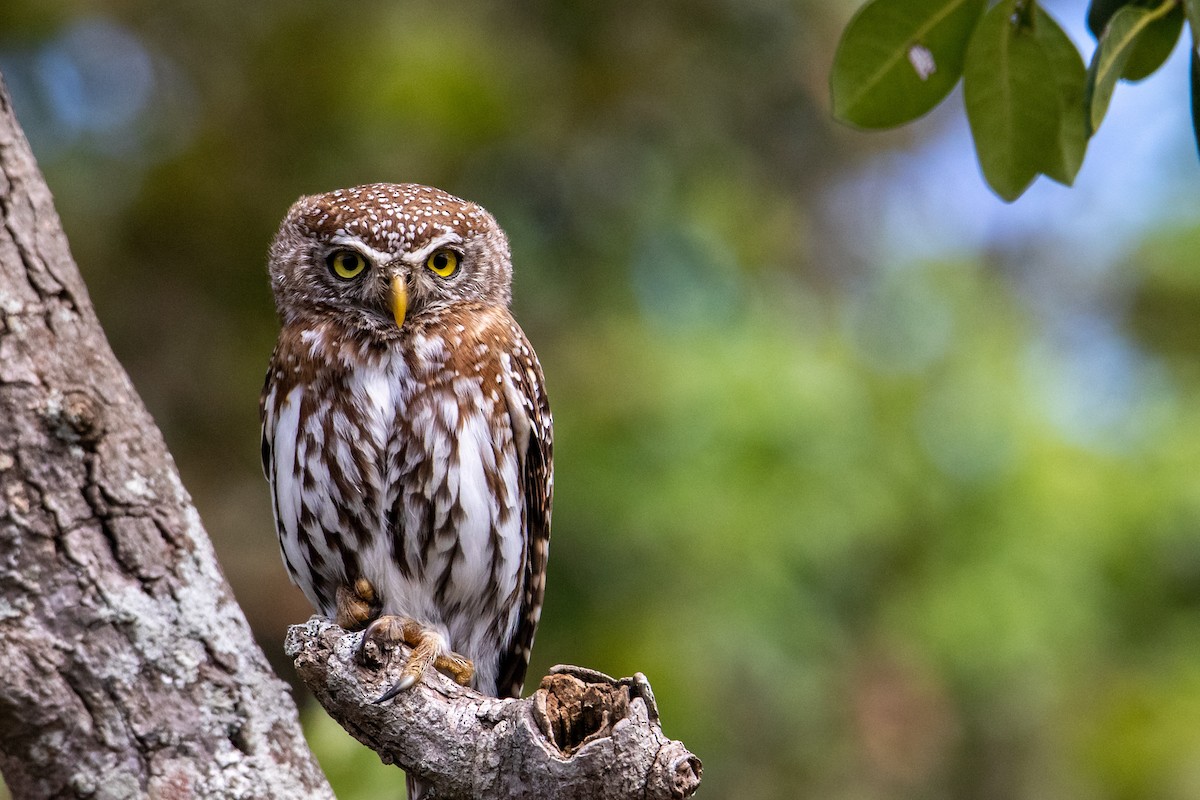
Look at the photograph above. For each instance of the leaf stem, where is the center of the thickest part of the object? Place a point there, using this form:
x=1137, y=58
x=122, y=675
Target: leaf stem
x=1162, y=9
x=1025, y=12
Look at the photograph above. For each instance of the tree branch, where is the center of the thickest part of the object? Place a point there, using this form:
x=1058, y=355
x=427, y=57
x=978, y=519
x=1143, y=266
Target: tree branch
x=128, y=668
x=581, y=735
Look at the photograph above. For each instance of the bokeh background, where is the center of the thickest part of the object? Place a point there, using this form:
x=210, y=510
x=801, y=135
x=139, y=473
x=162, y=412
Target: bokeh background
x=889, y=488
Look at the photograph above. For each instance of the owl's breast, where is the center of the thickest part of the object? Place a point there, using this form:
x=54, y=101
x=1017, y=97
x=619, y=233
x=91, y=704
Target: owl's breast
x=450, y=542
x=404, y=468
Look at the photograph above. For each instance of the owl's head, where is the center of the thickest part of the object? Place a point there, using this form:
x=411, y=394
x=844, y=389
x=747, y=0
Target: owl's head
x=377, y=256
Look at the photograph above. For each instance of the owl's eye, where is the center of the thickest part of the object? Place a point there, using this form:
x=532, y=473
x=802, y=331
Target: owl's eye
x=443, y=263
x=346, y=264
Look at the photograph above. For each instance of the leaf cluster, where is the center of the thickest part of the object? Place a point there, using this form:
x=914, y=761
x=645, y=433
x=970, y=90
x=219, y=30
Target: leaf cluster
x=1031, y=103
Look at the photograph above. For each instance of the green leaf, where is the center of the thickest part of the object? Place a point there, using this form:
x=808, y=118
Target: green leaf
x=899, y=58
x=1068, y=70
x=1013, y=102
x=1154, y=45
x=1192, y=11
x=1116, y=45
x=1195, y=81
x=1101, y=11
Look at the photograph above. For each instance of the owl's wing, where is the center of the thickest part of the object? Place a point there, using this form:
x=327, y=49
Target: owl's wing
x=281, y=429
x=266, y=418
x=533, y=433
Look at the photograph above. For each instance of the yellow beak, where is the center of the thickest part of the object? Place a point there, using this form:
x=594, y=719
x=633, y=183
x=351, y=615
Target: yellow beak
x=399, y=299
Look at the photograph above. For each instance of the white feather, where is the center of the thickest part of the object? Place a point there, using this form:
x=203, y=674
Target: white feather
x=288, y=450
x=473, y=572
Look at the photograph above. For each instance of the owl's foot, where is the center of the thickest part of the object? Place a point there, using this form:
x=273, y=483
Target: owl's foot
x=357, y=605
x=429, y=649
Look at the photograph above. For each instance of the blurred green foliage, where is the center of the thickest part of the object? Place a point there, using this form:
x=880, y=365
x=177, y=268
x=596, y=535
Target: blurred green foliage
x=866, y=528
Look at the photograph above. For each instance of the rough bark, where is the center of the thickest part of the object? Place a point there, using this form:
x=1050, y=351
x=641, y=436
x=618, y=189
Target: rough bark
x=581, y=735
x=128, y=668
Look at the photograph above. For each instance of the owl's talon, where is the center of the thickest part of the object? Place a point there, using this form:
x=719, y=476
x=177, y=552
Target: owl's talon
x=356, y=606
x=428, y=649
x=407, y=682
x=383, y=633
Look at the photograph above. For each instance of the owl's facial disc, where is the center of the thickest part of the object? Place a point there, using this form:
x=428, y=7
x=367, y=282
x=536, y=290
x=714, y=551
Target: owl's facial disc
x=399, y=292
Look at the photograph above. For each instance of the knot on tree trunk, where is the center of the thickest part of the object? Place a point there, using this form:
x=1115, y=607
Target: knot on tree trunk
x=581, y=735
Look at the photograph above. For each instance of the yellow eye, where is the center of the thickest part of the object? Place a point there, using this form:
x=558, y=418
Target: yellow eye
x=443, y=263
x=346, y=264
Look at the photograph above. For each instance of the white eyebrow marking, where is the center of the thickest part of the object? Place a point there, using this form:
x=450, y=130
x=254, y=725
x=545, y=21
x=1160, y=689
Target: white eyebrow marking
x=354, y=243
x=419, y=256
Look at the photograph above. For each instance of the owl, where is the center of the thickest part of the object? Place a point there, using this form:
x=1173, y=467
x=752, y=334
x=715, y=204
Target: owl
x=406, y=433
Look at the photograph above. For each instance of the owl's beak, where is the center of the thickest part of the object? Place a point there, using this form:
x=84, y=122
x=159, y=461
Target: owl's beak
x=399, y=299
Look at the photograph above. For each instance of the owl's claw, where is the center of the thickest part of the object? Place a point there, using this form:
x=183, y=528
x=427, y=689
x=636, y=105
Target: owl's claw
x=429, y=648
x=357, y=605
x=405, y=683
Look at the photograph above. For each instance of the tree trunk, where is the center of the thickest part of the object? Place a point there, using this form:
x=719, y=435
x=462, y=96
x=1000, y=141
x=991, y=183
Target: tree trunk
x=129, y=669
